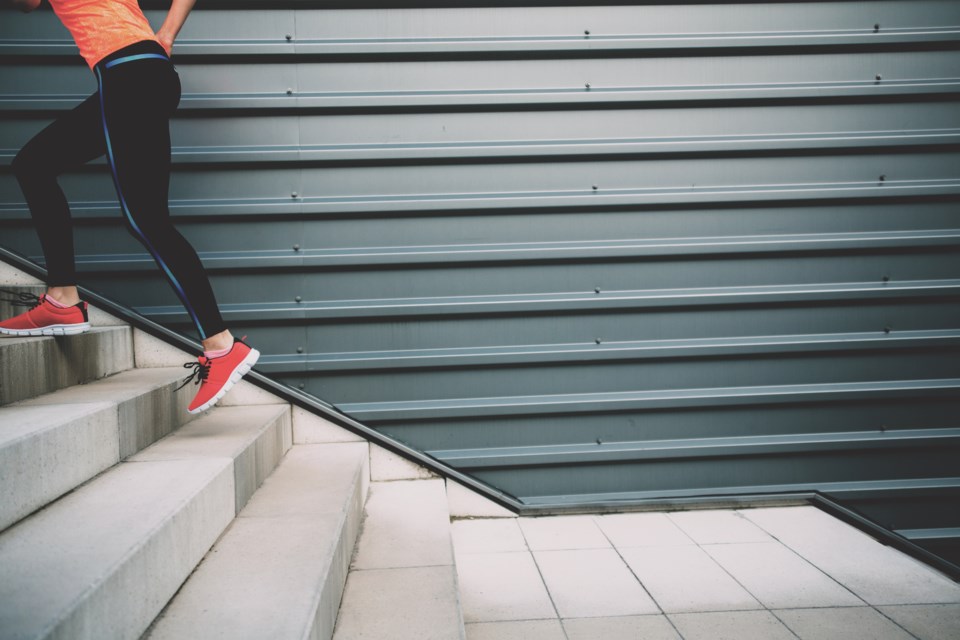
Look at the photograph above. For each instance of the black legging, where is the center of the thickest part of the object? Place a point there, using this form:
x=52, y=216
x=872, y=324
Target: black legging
x=128, y=120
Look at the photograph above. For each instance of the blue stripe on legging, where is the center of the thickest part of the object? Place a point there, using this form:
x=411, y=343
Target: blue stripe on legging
x=141, y=56
x=126, y=210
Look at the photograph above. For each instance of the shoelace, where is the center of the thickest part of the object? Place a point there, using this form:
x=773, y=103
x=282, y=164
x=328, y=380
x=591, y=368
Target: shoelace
x=199, y=374
x=23, y=299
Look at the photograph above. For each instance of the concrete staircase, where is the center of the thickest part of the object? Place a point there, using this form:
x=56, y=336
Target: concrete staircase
x=123, y=516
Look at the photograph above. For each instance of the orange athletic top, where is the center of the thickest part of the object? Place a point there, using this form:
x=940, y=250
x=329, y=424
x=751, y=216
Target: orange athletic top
x=100, y=27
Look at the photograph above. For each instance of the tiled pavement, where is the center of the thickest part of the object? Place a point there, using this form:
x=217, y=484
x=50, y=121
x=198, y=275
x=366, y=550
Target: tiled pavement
x=765, y=574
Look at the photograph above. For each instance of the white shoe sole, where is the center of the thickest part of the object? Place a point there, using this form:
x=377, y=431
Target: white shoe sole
x=238, y=372
x=52, y=330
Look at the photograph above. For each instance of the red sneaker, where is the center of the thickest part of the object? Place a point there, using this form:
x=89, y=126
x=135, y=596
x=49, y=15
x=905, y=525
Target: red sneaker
x=45, y=319
x=217, y=375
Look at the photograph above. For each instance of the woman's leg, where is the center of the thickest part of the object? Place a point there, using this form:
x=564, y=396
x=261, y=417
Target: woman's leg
x=68, y=142
x=137, y=99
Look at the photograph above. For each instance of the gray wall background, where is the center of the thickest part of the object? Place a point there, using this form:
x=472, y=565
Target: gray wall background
x=591, y=255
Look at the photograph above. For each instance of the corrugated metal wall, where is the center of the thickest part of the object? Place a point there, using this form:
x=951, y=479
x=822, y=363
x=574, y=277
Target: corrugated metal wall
x=587, y=254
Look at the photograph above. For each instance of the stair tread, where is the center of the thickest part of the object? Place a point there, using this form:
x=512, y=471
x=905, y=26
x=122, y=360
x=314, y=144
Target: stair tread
x=115, y=388
x=286, y=551
x=224, y=432
x=68, y=566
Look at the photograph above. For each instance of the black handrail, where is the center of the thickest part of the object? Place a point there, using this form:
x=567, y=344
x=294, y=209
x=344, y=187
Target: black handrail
x=294, y=396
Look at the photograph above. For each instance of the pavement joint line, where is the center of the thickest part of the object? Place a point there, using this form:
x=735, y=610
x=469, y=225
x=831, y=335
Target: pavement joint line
x=629, y=568
x=811, y=563
x=897, y=624
x=763, y=606
x=543, y=581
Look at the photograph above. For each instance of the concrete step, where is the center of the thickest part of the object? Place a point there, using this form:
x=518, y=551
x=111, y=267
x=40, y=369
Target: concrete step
x=279, y=571
x=102, y=561
x=53, y=443
x=403, y=580
x=30, y=367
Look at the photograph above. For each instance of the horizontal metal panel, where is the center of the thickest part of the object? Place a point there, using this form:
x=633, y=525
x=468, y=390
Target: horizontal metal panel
x=411, y=136
x=711, y=476
x=781, y=143
x=566, y=184
x=529, y=252
x=834, y=415
x=231, y=32
x=288, y=336
x=646, y=400
x=570, y=302
x=693, y=448
x=481, y=82
x=839, y=488
x=599, y=351
x=583, y=377
x=275, y=233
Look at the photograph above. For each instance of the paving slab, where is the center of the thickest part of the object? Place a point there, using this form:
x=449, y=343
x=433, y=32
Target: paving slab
x=849, y=623
x=687, y=579
x=502, y=586
x=592, y=583
x=653, y=627
x=779, y=578
x=563, y=532
x=487, y=536
x=731, y=625
x=516, y=630
x=877, y=573
x=407, y=525
x=718, y=526
x=642, y=530
x=926, y=621
x=427, y=612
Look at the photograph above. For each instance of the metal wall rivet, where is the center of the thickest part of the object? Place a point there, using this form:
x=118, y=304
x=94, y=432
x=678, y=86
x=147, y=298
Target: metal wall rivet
x=886, y=329
x=596, y=289
x=289, y=37
x=597, y=340
x=301, y=385
x=886, y=278
x=587, y=85
x=883, y=177
x=594, y=187
x=876, y=27
x=586, y=32
x=879, y=77
x=299, y=349
x=297, y=299
x=296, y=247
x=599, y=441
x=293, y=194
x=289, y=92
